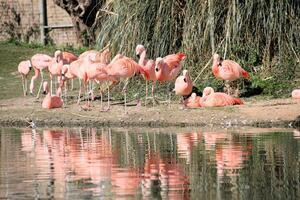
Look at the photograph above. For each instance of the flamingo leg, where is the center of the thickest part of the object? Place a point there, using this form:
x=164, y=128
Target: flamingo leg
x=51, y=85
x=146, y=93
x=78, y=101
x=153, y=90
x=108, y=98
x=42, y=80
x=23, y=85
x=125, y=93
x=26, y=86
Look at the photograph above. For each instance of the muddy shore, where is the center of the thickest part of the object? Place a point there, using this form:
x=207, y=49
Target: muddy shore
x=256, y=113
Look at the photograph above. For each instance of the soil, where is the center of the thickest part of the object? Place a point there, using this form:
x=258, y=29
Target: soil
x=256, y=113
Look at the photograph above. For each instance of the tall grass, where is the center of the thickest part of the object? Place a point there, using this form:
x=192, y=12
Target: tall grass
x=262, y=35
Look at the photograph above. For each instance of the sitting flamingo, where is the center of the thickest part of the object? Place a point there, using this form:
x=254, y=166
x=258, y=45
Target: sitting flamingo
x=193, y=101
x=212, y=99
x=49, y=101
x=296, y=94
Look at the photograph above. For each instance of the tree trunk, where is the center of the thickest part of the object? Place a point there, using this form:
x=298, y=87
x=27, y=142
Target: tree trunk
x=83, y=14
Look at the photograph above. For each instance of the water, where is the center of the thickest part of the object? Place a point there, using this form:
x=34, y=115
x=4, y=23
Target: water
x=149, y=164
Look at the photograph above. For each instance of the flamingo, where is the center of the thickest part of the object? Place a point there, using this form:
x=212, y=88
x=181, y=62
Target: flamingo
x=96, y=56
x=227, y=70
x=193, y=101
x=49, y=101
x=124, y=68
x=296, y=94
x=67, y=59
x=149, y=67
x=211, y=98
x=168, y=68
x=39, y=62
x=183, y=84
x=74, y=70
x=55, y=67
x=97, y=71
x=24, y=68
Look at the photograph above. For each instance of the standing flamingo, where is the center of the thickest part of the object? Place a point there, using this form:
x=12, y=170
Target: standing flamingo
x=149, y=67
x=55, y=68
x=96, y=56
x=168, y=68
x=211, y=98
x=49, y=101
x=227, y=70
x=183, y=84
x=124, y=68
x=23, y=68
x=39, y=62
x=296, y=94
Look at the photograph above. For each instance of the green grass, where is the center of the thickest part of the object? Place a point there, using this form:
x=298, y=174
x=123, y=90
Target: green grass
x=11, y=54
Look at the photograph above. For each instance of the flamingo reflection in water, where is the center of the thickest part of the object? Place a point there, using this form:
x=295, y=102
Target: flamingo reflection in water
x=229, y=154
x=164, y=178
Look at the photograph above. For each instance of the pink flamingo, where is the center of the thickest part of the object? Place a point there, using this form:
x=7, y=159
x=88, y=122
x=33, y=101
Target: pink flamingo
x=39, y=62
x=211, y=98
x=55, y=67
x=24, y=68
x=183, y=84
x=193, y=101
x=167, y=68
x=149, y=67
x=96, y=56
x=296, y=94
x=49, y=101
x=227, y=70
x=124, y=68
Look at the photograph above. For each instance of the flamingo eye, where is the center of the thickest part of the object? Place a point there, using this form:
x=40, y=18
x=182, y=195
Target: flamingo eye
x=156, y=69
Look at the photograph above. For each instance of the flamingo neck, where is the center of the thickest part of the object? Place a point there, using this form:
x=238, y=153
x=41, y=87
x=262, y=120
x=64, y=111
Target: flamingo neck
x=142, y=58
x=30, y=64
x=215, y=68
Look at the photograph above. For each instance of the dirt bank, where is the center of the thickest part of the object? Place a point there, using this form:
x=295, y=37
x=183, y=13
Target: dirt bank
x=257, y=113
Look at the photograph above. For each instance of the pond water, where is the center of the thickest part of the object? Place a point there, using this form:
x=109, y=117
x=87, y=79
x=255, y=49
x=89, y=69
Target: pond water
x=89, y=163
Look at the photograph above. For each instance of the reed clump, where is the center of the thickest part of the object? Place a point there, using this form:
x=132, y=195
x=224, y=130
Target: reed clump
x=263, y=36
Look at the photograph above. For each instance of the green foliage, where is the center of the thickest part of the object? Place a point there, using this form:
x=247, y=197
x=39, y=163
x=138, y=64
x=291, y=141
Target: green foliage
x=263, y=36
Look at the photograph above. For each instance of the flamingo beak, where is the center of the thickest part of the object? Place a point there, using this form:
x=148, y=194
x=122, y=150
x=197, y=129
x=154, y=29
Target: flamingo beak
x=44, y=92
x=63, y=77
x=138, y=55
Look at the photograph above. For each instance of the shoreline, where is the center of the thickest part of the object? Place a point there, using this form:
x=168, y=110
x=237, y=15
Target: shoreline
x=283, y=113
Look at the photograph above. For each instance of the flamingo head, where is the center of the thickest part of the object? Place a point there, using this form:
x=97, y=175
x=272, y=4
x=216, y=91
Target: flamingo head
x=158, y=64
x=58, y=55
x=185, y=72
x=139, y=49
x=193, y=95
x=45, y=87
x=207, y=91
x=217, y=59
